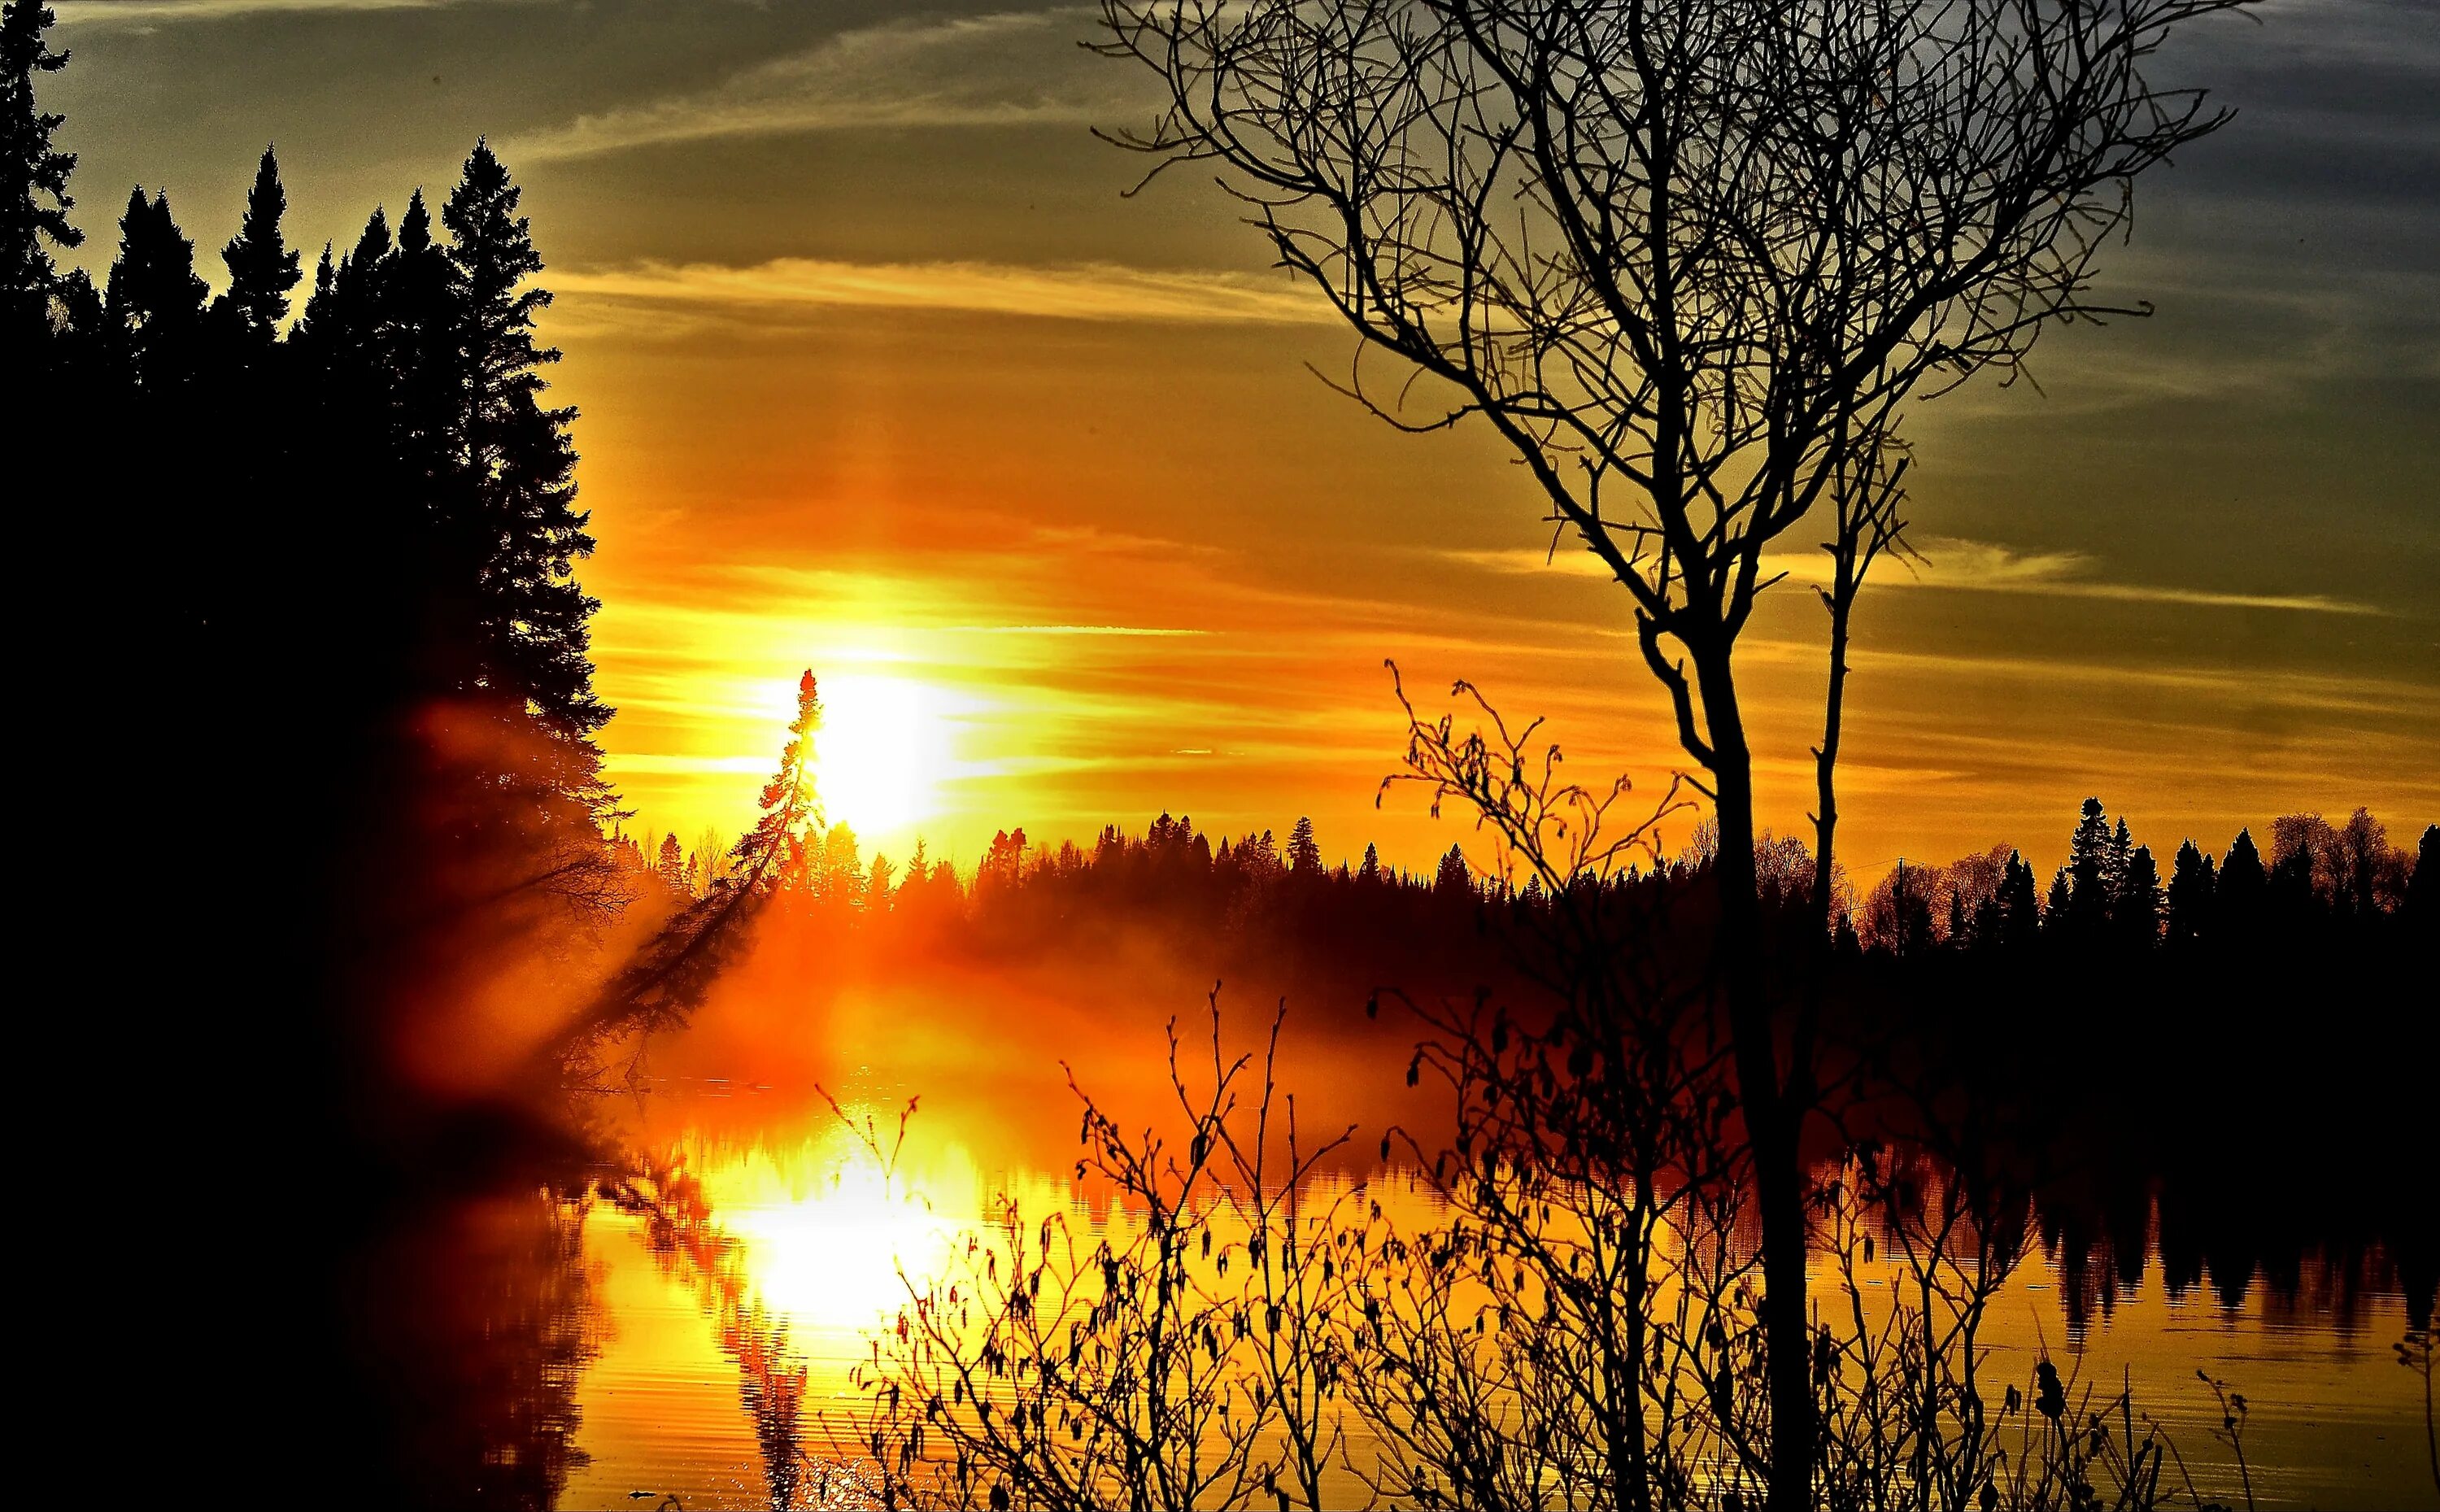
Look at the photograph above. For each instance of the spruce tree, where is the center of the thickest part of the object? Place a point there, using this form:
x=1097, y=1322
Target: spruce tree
x=34, y=199
x=152, y=306
x=2191, y=886
x=2060, y=907
x=2135, y=913
x=2020, y=913
x=2239, y=901
x=1370, y=870
x=422, y=312
x=355, y=295
x=262, y=267
x=1304, y=852
x=533, y=618
x=2088, y=870
x=1453, y=877
x=317, y=315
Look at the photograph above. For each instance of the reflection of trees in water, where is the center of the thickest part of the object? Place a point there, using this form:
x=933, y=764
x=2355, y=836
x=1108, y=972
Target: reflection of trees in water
x=477, y=1322
x=687, y=1244
x=2268, y=1243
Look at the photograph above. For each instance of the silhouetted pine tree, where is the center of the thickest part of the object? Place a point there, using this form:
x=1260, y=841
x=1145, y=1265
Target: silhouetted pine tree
x=355, y=312
x=2020, y=914
x=422, y=314
x=2422, y=907
x=153, y=307
x=2191, y=886
x=34, y=199
x=1304, y=854
x=2135, y=913
x=2239, y=902
x=262, y=269
x=312, y=321
x=2088, y=870
x=1370, y=870
x=2059, y=910
x=533, y=616
x=1454, y=876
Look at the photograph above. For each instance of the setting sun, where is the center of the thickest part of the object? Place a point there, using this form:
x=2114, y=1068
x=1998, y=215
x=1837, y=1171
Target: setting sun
x=884, y=748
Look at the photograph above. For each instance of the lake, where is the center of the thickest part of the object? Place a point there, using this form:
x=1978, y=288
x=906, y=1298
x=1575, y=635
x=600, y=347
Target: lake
x=692, y=1359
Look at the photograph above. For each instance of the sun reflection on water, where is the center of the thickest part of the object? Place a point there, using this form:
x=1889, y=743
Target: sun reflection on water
x=829, y=1238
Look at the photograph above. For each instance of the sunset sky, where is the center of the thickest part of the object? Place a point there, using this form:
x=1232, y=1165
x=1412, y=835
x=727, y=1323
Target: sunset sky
x=881, y=374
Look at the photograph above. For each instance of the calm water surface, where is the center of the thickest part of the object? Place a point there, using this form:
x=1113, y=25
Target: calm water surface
x=690, y=1388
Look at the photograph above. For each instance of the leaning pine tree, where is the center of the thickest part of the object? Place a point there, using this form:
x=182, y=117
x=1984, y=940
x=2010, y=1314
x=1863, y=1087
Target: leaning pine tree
x=669, y=976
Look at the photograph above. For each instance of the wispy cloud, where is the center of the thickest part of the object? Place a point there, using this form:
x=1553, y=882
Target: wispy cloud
x=791, y=289
x=153, y=12
x=1015, y=68
x=1951, y=563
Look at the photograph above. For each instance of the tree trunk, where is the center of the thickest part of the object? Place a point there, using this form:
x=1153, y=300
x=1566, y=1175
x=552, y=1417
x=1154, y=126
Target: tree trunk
x=1825, y=759
x=1773, y=1125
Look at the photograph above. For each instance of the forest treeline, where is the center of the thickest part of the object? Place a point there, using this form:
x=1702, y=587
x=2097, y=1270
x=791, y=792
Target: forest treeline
x=2317, y=878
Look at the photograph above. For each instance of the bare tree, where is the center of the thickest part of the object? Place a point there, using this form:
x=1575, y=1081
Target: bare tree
x=1682, y=258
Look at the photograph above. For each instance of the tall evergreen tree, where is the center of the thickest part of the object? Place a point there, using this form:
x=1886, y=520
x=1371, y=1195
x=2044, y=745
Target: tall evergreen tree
x=2135, y=913
x=34, y=199
x=262, y=267
x=534, y=617
x=356, y=305
x=2059, y=910
x=2087, y=871
x=153, y=307
x=2239, y=902
x=422, y=316
x=2115, y=859
x=2020, y=913
x=1304, y=852
x=1370, y=870
x=2191, y=886
x=1454, y=876
x=317, y=315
